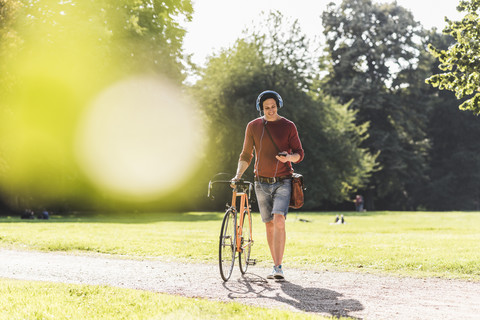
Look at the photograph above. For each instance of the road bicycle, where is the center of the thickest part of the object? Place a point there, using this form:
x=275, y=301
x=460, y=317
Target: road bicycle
x=236, y=231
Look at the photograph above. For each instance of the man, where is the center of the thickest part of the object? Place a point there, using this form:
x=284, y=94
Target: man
x=276, y=143
x=359, y=203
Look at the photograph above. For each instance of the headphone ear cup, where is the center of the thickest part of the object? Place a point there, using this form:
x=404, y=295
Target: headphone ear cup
x=257, y=104
x=280, y=101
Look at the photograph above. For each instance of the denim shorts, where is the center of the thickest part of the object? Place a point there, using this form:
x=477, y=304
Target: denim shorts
x=273, y=198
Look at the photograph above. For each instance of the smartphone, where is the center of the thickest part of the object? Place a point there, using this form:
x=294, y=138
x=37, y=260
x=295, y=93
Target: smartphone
x=282, y=154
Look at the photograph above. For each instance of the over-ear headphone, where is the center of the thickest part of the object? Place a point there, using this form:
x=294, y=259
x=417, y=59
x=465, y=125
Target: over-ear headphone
x=270, y=92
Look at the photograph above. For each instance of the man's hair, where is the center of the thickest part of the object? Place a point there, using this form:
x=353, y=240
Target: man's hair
x=269, y=95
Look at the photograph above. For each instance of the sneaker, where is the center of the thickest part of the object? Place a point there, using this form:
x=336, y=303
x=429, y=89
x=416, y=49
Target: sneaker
x=278, y=275
x=272, y=274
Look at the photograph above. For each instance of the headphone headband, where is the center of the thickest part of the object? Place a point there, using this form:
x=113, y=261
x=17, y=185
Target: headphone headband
x=280, y=100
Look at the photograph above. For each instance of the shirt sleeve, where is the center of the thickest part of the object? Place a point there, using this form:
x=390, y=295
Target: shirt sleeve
x=247, y=151
x=296, y=144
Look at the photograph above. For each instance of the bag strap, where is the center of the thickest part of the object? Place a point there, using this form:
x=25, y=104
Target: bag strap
x=270, y=136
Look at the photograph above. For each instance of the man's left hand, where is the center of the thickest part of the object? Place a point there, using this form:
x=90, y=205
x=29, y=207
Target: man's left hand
x=289, y=157
x=283, y=159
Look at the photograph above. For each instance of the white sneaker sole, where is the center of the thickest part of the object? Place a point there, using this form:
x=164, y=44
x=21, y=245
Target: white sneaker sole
x=279, y=277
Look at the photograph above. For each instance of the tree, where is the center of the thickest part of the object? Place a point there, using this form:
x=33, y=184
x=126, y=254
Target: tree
x=461, y=61
x=139, y=35
x=454, y=159
x=370, y=48
x=8, y=41
x=56, y=56
x=453, y=165
x=334, y=164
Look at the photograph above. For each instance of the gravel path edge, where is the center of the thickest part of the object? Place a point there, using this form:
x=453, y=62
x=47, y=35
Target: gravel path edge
x=356, y=295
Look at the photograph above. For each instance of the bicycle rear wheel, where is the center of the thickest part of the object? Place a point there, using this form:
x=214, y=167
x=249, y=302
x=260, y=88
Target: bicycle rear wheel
x=246, y=243
x=227, y=247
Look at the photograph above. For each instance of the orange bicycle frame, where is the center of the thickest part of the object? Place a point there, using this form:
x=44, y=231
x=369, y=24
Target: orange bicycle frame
x=244, y=205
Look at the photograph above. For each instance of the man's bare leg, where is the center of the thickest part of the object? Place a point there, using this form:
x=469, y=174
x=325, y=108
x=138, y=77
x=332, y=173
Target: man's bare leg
x=276, y=238
x=270, y=234
x=279, y=237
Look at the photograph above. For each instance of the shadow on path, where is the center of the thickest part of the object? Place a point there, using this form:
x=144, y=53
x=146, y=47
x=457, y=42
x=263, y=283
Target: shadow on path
x=307, y=299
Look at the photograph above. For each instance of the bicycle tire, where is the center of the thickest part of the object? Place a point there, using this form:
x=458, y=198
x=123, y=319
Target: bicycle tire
x=246, y=243
x=227, y=244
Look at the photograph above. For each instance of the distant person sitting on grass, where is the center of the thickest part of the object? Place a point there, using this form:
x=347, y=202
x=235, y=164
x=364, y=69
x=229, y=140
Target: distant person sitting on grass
x=44, y=215
x=28, y=214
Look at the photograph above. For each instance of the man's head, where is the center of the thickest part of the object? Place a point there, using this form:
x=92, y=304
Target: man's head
x=265, y=95
x=269, y=96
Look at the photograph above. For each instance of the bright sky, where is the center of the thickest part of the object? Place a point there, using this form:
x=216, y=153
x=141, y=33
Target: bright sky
x=218, y=23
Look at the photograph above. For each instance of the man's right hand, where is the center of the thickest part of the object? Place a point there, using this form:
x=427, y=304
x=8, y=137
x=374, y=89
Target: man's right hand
x=242, y=166
x=234, y=180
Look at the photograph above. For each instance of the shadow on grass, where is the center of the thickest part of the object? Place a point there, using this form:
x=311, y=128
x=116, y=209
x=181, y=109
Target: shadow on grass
x=307, y=299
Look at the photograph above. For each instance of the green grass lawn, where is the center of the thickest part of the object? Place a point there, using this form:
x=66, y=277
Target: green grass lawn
x=419, y=244
x=40, y=300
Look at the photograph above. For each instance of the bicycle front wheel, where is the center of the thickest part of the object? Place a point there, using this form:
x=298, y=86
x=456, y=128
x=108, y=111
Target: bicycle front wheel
x=246, y=243
x=227, y=245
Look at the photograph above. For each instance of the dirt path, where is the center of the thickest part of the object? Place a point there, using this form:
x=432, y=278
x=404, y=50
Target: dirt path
x=361, y=296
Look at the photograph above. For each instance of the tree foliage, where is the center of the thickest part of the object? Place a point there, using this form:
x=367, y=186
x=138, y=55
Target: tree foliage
x=372, y=105
x=454, y=159
x=334, y=164
x=460, y=63
x=372, y=48
x=453, y=164
x=56, y=56
x=141, y=35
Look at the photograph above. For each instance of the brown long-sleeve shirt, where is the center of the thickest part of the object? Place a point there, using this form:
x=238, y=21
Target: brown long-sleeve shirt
x=284, y=133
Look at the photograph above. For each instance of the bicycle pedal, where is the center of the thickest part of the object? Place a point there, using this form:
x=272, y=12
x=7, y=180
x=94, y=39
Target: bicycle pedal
x=251, y=262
